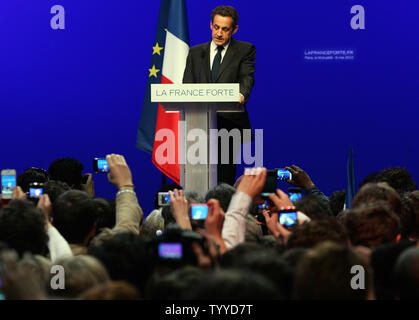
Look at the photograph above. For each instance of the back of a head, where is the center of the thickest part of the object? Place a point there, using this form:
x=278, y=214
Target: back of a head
x=324, y=272
x=311, y=233
x=337, y=201
x=233, y=256
x=314, y=207
x=54, y=189
x=74, y=215
x=410, y=215
x=223, y=193
x=67, y=170
x=31, y=175
x=112, y=290
x=152, y=223
x=271, y=265
x=372, y=224
x=125, y=257
x=22, y=227
x=406, y=274
x=373, y=192
x=81, y=273
x=398, y=178
x=233, y=284
x=174, y=285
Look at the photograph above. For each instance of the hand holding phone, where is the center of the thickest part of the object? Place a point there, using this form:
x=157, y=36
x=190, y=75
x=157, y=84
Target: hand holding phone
x=163, y=199
x=36, y=190
x=288, y=217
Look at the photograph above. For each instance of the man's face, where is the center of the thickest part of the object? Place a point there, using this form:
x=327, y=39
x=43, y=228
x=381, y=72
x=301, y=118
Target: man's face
x=222, y=29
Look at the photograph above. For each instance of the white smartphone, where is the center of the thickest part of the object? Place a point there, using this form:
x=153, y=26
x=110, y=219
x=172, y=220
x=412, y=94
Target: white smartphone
x=8, y=181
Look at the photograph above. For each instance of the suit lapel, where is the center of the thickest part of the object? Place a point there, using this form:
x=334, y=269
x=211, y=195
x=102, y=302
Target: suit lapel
x=206, y=64
x=227, y=58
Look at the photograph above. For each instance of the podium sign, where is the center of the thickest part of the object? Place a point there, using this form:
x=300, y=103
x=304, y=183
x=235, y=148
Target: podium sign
x=198, y=104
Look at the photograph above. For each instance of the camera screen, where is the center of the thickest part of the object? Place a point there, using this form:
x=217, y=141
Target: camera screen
x=170, y=250
x=295, y=196
x=165, y=198
x=7, y=183
x=288, y=219
x=199, y=212
x=284, y=174
x=102, y=165
x=36, y=192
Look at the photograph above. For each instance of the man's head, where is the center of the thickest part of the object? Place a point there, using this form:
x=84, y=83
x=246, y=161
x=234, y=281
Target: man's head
x=31, y=175
x=22, y=227
x=74, y=215
x=223, y=193
x=67, y=170
x=224, y=20
x=372, y=224
x=324, y=272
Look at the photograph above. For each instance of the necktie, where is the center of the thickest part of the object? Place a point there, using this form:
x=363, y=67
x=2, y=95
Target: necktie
x=216, y=63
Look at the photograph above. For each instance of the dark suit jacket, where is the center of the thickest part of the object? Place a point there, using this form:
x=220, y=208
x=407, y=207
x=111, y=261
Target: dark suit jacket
x=238, y=66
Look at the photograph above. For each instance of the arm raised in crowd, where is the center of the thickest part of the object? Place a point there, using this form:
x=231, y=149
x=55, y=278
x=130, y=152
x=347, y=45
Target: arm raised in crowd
x=251, y=185
x=301, y=179
x=128, y=211
x=180, y=209
x=214, y=223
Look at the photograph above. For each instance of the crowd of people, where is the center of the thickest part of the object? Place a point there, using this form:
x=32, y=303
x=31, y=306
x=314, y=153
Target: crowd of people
x=69, y=244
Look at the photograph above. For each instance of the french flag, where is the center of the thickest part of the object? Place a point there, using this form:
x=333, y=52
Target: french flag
x=173, y=20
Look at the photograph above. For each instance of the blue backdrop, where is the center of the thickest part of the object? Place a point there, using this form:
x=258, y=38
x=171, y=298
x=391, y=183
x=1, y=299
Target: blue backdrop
x=78, y=92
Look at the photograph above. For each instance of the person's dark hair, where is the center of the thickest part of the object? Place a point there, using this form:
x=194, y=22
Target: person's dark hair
x=233, y=256
x=67, y=170
x=337, y=201
x=106, y=214
x=174, y=285
x=74, y=214
x=22, y=227
x=398, y=178
x=271, y=265
x=410, y=215
x=125, y=256
x=223, y=193
x=373, y=192
x=294, y=256
x=311, y=233
x=226, y=11
x=406, y=275
x=371, y=178
x=372, y=224
x=165, y=188
x=31, y=175
x=54, y=189
x=314, y=207
x=233, y=284
x=112, y=290
x=324, y=272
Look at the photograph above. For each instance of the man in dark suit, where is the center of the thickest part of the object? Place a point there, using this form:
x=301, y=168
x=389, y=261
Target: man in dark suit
x=224, y=60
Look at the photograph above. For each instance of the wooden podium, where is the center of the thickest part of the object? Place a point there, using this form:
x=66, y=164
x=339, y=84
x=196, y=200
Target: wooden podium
x=198, y=105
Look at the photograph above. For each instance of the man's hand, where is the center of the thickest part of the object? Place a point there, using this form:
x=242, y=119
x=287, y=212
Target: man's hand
x=45, y=205
x=299, y=178
x=89, y=186
x=215, y=219
x=180, y=209
x=18, y=193
x=280, y=199
x=275, y=227
x=253, y=181
x=241, y=101
x=119, y=173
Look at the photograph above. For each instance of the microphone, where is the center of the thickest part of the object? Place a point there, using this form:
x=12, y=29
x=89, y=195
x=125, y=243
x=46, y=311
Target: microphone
x=202, y=56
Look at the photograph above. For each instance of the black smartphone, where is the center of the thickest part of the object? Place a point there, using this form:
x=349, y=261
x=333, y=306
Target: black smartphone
x=100, y=165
